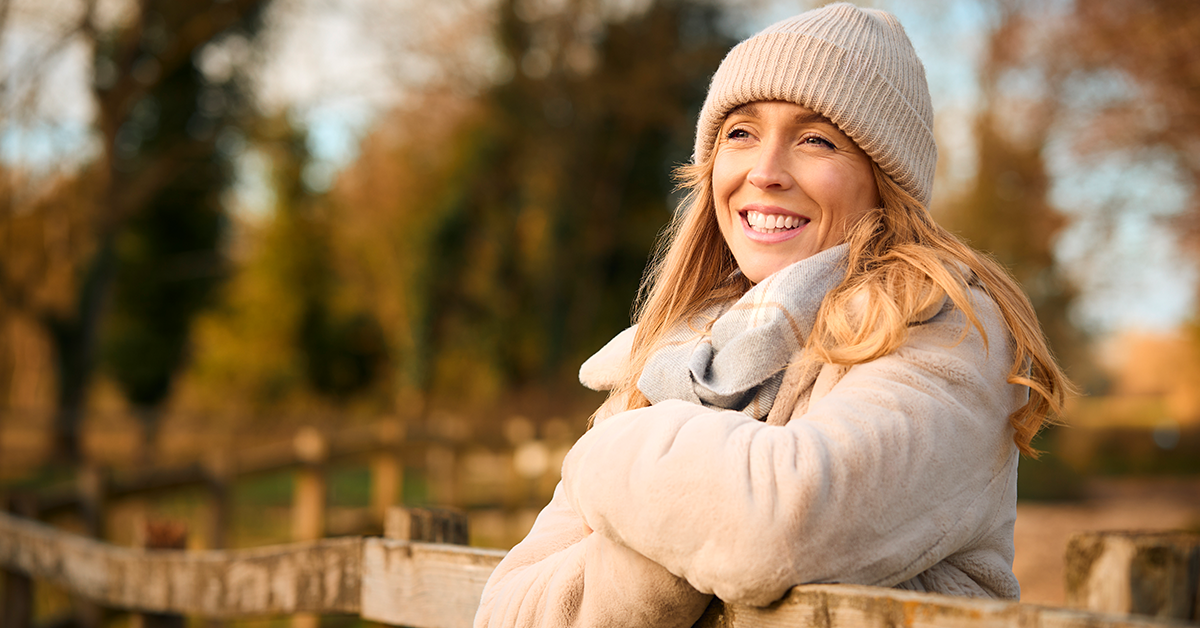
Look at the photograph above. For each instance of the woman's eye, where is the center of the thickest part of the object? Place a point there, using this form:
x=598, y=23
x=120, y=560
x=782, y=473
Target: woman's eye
x=737, y=134
x=816, y=140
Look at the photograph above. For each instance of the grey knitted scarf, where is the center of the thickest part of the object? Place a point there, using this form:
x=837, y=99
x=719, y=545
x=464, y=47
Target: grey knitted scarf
x=740, y=364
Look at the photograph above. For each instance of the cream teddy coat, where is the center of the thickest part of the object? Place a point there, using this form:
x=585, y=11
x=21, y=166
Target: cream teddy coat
x=900, y=472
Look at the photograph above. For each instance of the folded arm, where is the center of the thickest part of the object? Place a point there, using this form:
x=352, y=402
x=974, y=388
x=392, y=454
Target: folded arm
x=562, y=575
x=899, y=466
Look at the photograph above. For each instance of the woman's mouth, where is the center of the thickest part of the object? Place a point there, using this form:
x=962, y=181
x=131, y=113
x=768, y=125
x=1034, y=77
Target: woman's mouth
x=773, y=223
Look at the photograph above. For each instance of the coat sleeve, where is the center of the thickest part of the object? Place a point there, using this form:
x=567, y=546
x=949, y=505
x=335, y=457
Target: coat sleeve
x=563, y=574
x=900, y=465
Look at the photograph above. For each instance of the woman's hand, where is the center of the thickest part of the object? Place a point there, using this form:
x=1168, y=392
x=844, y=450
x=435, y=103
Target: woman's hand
x=563, y=575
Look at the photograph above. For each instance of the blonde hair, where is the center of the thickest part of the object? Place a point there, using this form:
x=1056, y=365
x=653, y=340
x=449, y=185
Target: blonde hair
x=900, y=263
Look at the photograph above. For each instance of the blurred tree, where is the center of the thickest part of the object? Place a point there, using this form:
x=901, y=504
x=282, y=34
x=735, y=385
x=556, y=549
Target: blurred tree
x=44, y=243
x=1005, y=209
x=284, y=328
x=1159, y=370
x=156, y=143
x=1115, y=80
x=1145, y=50
x=530, y=238
x=168, y=256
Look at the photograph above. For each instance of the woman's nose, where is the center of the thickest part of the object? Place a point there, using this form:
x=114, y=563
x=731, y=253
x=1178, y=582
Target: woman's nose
x=770, y=169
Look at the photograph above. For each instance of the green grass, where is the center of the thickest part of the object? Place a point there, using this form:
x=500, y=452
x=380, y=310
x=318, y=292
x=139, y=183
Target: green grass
x=268, y=489
x=350, y=487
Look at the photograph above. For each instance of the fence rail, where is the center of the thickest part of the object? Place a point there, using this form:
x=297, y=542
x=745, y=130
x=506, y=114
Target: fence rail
x=308, y=447
x=431, y=585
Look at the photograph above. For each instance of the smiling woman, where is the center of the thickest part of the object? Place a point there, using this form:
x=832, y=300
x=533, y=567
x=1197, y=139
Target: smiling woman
x=787, y=184
x=823, y=384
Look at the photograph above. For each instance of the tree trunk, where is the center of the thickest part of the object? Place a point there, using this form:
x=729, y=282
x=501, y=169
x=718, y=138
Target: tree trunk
x=75, y=342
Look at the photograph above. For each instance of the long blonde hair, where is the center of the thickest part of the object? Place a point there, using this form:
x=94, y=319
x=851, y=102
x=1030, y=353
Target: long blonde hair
x=900, y=262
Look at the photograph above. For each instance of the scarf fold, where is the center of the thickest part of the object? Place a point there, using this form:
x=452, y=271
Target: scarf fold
x=739, y=365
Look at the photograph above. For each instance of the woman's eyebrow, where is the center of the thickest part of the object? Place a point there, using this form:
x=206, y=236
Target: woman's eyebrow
x=812, y=117
x=747, y=109
x=751, y=109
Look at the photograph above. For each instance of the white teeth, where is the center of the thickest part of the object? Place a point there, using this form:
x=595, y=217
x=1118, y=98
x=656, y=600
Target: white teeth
x=772, y=223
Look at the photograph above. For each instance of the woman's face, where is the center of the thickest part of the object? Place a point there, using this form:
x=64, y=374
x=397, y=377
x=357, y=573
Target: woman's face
x=787, y=184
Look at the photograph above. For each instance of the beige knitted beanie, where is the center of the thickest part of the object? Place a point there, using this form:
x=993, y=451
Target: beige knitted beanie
x=854, y=66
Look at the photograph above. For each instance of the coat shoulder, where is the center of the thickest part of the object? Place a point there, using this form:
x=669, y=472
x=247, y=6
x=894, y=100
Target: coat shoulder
x=604, y=370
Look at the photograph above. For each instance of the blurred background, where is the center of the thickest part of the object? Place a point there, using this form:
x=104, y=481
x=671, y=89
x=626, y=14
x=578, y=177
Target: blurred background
x=379, y=237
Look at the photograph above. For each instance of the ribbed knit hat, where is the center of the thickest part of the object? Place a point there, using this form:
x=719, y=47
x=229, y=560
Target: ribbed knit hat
x=854, y=66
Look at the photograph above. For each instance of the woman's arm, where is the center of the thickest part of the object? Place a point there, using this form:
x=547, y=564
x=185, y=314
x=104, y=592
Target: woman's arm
x=564, y=575
x=906, y=461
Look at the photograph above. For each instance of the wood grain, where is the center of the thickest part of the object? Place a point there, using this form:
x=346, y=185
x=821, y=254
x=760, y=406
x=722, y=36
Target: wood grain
x=423, y=585
x=1150, y=573
x=852, y=606
x=426, y=585
x=323, y=576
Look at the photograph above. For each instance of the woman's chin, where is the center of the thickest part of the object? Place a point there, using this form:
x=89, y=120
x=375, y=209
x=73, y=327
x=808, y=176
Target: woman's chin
x=760, y=271
x=762, y=266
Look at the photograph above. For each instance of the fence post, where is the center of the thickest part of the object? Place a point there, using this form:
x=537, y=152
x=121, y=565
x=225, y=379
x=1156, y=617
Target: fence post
x=309, y=499
x=387, y=472
x=426, y=525
x=17, y=608
x=1147, y=573
x=92, y=483
x=308, y=506
x=218, y=470
x=152, y=534
x=440, y=473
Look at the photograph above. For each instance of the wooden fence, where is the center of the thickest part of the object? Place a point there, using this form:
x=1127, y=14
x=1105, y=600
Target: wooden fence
x=520, y=476
x=420, y=574
x=518, y=472
x=433, y=585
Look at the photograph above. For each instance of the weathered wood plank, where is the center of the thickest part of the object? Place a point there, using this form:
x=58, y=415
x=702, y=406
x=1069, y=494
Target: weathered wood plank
x=438, y=586
x=16, y=601
x=321, y=576
x=426, y=525
x=151, y=533
x=423, y=585
x=851, y=606
x=1151, y=573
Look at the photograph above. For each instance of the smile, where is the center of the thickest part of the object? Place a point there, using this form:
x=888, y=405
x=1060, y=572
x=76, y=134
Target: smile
x=773, y=223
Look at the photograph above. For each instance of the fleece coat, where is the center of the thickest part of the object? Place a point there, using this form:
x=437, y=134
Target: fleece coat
x=900, y=472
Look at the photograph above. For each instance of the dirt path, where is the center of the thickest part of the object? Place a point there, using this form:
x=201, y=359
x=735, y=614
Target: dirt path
x=1043, y=529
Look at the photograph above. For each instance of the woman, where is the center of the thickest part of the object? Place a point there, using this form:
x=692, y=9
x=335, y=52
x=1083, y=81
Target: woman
x=823, y=384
